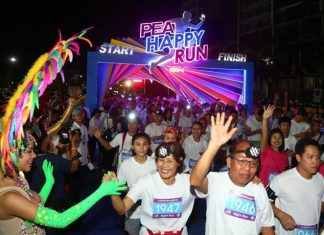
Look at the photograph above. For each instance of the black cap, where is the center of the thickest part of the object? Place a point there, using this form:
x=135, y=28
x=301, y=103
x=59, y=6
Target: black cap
x=251, y=152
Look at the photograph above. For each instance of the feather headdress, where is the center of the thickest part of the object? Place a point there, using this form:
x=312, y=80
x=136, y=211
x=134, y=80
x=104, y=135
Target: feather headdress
x=22, y=104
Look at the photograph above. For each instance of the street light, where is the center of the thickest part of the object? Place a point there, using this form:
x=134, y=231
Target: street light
x=13, y=59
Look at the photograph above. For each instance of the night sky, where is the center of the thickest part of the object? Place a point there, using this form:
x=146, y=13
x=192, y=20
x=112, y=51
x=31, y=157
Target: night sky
x=30, y=29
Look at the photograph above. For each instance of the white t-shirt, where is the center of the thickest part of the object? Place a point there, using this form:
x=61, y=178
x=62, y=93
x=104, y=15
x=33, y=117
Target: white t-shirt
x=208, y=130
x=154, y=130
x=94, y=123
x=185, y=122
x=169, y=123
x=299, y=198
x=254, y=124
x=297, y=128
x=232, y=209
x=206, y=136
x=83, y=145
x=106, y=121
x=130, y=170
x=125, y=151
x=193, y=151
x=319, y=138
x=290, y=142
x=164, y=207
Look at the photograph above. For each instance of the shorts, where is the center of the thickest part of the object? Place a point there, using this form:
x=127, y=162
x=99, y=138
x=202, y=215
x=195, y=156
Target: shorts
x=133, y=226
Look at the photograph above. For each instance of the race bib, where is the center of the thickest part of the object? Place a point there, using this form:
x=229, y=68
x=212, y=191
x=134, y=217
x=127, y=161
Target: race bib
x=159, y=141
x=125, y=154
x=167, y=208
x=271, y=176
x=192, y=163
x=241, y=206
x=306, y=230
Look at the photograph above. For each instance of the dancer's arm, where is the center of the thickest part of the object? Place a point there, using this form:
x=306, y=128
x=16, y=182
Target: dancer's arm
x=15, y=204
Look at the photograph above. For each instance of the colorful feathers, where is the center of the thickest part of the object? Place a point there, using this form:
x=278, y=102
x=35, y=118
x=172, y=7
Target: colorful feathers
x=22, y=104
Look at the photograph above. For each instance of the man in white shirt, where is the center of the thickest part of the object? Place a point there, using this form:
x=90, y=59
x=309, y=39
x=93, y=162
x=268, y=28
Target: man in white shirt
x=284, y=125
x=234, y=204
x=186, y=119
x=253, y=127
x=297, y=194
x=193, y=146
x=83, y=145
x=123, y=140
x=298, y=124
x=155, y=129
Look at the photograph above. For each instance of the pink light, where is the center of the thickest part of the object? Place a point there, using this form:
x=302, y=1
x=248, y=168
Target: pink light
x=137, y=80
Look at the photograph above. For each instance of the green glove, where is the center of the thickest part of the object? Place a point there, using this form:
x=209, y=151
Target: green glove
x=54, y=219
x=49, y=180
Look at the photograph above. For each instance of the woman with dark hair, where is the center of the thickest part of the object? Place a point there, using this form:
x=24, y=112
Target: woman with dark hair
x=167, y=201
x=274, y=159
x=169, y=119
x=133, y=169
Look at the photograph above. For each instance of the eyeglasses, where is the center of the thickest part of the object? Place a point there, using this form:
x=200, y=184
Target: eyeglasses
x=313, y=157
x=252, y=164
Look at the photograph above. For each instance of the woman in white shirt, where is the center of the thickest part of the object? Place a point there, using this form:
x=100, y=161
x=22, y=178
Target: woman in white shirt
x=167, y=201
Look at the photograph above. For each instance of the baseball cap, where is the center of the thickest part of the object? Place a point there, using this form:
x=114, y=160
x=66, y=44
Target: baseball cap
x=171, y=130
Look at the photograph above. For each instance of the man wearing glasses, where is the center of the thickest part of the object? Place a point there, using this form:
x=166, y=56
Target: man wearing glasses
x=234, y=204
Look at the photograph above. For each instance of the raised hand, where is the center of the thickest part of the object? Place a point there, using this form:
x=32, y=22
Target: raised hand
x=48, y=171
x=268, y=111
x=49, y=180
x=220, y=132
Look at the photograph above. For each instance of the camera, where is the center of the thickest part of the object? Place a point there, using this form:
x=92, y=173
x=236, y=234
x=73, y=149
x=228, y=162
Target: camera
x=64, y=136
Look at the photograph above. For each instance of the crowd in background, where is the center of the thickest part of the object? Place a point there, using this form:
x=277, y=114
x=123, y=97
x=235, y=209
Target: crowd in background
x=76, y=140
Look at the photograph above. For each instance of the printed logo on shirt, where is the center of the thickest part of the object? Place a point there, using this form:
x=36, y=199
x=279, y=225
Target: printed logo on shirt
x=167, y=208
x=271, y=176
x=192, y=163
x=306, y=230
x=125, y=154
x=241, y=206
